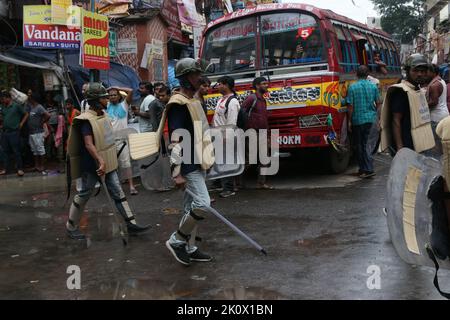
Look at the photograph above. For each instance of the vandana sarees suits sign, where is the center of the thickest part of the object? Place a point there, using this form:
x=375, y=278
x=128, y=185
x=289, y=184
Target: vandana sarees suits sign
x=95, y=40
x=39, y=32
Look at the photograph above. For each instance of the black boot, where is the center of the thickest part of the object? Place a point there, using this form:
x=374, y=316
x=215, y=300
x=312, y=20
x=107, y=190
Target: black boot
x=136, y=229
x=75, y=234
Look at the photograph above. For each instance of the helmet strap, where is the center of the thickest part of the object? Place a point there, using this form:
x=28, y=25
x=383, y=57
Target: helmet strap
x=185, y=83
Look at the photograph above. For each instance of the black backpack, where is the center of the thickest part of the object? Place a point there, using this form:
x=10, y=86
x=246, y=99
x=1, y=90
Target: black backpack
x=244, y=114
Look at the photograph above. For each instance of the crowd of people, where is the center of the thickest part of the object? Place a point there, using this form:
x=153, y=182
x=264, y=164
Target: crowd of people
x=423, y=93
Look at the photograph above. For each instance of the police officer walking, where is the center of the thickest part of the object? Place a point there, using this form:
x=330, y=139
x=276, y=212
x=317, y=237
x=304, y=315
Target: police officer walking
x=189, y=165
x=92, y=152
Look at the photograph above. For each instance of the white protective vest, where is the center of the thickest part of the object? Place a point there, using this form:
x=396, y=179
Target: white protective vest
x=421, y=131
x=103, y=141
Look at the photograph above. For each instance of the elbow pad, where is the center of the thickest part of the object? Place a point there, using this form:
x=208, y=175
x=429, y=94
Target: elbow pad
x=176, y=152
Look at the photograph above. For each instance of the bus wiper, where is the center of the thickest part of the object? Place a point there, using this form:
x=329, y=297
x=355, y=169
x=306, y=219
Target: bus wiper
x=241, y=67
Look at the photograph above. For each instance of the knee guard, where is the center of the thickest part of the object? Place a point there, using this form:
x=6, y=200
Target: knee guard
x=76, y=210
x=187, y=225
x=125, y=210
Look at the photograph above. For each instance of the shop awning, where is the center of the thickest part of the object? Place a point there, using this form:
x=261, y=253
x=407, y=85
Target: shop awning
x=20, y=58
x=119, y=75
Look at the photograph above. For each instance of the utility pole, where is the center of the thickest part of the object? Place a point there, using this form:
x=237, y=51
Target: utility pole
x=65, y=92
x=94, y=75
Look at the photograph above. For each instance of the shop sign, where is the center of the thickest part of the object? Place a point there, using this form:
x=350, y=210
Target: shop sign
x=39, y=32
x=95, y=40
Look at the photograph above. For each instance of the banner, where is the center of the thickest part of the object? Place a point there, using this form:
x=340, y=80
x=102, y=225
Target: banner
x=60, y=11
x=95, y=41
x=188, y=13
x=39, y=32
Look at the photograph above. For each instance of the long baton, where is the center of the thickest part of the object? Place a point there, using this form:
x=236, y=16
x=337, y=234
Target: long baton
x=113, y=207
x=228, y=223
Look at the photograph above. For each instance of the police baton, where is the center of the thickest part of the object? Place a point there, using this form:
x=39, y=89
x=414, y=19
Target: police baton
x=228, y=223
x=114, y=209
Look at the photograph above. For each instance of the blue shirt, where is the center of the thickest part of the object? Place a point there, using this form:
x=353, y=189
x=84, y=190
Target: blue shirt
x=363, y=96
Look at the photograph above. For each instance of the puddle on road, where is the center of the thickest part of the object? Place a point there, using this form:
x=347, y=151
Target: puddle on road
x=140, y=289
x=324, y=240
x=157, y=289
x=248, y=293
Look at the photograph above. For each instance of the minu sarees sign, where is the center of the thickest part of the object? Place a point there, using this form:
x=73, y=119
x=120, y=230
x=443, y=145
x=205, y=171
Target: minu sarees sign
x=95, y=41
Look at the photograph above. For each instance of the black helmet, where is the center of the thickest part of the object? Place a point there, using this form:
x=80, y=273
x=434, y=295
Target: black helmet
x=96, y=90
x=416, y=60
x=187, y=65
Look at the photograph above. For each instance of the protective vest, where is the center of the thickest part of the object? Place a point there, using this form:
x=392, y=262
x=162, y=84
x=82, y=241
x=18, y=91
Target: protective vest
x=443, y=131
x=421, y=131
x=103, y=141
x=203, y=146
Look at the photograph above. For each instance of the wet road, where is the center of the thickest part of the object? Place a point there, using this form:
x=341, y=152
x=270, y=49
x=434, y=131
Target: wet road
x=322, y=234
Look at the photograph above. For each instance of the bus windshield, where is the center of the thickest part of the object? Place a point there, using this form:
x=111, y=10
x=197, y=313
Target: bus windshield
x=291, y=38
x=232, y=47
x=287, y=38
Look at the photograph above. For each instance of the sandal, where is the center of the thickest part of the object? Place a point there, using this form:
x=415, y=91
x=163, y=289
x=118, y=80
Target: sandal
x=133, y=192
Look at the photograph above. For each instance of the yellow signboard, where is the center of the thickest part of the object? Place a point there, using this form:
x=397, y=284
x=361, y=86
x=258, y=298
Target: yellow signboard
x=60, y=11
x=37, y=15
x=95, y=33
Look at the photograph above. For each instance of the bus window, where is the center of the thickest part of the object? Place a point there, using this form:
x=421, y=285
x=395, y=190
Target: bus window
x=361, y=42
x=346, y=61
x=354, y=64
x=232, y=47
x=291, y=38
x=371, y=50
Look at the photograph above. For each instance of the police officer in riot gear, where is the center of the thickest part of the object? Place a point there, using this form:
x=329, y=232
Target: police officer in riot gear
x=93, y=154
x=189, y=165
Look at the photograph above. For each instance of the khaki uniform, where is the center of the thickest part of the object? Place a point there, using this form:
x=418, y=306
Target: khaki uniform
x=421, y=130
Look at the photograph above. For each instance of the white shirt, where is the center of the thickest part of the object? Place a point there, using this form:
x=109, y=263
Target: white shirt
x=222, y=117
x=84, y=106
x=145, y=124
x=440, y=111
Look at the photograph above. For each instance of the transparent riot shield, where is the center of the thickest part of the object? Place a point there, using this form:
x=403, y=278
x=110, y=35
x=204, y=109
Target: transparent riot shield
x=229, y=150
x=155, y=171
x=409, y=213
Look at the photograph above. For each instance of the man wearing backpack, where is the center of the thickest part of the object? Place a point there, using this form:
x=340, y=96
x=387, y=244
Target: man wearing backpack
x=255, y=107
x=226, y=115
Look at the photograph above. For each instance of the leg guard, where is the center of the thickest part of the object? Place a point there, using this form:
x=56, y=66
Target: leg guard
x=76, y=209
x=187, y=225
x=125, y=211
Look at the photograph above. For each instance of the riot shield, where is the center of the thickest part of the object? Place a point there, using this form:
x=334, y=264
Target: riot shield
x=229, y=151
x=155, y=171
x=409, y=211
x=121, y=138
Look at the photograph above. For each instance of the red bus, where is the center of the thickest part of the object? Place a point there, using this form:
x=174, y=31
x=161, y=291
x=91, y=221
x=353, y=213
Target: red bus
x=310, y=57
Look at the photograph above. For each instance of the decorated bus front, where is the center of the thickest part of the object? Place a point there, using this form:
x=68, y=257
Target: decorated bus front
x=291, y=49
